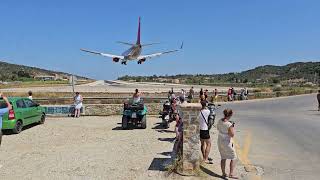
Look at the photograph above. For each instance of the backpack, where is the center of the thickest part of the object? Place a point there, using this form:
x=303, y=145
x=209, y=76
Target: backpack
x=209, y=121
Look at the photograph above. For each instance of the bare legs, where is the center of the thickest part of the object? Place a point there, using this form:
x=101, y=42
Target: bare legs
x=205, y=149
x=232, y=167
x=77, y=113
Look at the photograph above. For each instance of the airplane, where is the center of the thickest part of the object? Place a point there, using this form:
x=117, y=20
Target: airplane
x=134, y=53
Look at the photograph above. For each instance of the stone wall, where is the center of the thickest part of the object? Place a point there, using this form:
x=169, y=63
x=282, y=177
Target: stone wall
x=191, y=155
x=99, y=109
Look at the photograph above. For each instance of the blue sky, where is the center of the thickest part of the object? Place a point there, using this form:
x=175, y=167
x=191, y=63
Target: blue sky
x=220, y=36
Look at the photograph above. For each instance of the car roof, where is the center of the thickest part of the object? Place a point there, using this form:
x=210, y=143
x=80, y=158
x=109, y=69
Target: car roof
x=15, y=98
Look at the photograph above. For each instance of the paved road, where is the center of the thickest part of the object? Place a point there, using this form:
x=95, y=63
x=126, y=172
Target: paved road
x=284, y=136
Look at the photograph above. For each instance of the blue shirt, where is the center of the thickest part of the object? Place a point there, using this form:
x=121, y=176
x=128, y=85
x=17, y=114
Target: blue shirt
x=2, y=111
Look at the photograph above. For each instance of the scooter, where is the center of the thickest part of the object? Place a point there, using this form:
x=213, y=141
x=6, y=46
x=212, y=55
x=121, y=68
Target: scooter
x=212, y=108
x=166, y=114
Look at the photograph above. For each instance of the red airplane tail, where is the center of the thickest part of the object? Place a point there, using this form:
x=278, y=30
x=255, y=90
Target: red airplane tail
x=138, y=37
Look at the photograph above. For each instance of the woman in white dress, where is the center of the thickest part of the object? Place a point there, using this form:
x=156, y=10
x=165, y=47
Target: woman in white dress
x=78, y=104
x=225, y=143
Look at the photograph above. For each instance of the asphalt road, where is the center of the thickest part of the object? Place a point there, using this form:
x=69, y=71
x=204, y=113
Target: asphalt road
x=280, y=135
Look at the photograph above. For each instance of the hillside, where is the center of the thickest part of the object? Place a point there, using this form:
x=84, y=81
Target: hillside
x=295, y=73
x=14, y=72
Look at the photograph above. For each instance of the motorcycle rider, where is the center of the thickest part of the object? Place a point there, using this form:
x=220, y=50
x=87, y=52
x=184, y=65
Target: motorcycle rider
x=136, y=96
x=3, y=111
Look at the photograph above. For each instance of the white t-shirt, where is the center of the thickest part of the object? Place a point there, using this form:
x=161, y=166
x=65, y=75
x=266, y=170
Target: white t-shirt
x=203, y=122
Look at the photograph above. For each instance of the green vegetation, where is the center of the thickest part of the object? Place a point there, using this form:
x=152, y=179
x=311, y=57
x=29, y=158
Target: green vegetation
x=13, y=72
x=295, y=74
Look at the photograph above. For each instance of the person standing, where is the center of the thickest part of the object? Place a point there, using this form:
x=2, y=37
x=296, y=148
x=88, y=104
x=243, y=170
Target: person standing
x=191, y=94
x=3, y=111
x=229, y=94
x=215, y=95
x=204, y=132
x=30, y=95
x=78, y=104
x=225, y=143
x=318, y=97
x=206, y=94
x=201, y=95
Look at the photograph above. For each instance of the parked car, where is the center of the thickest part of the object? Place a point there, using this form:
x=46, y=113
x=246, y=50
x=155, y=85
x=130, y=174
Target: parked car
x=24, y=112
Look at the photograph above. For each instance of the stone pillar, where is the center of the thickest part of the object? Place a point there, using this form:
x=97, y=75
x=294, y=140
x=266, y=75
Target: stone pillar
x=191, y=155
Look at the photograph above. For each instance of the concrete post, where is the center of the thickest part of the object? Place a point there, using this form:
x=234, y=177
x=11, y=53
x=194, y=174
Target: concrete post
x=191, y=155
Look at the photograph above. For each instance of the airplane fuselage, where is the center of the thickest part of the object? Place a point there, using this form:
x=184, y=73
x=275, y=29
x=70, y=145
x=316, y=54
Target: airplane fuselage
x=133, y=53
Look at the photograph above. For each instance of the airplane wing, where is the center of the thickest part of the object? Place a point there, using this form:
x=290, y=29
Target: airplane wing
x=149, y=56
x=103, y=54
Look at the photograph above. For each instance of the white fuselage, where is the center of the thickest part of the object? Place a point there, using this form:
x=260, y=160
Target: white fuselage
x=133, y=53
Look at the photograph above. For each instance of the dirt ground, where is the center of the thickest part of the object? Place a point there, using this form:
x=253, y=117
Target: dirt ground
x=91, y=148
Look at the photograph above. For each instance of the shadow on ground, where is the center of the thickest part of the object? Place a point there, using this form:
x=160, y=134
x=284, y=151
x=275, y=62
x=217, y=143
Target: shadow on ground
x=167, y=139
x=210, y=173
x=159, y=164
x=9, y=132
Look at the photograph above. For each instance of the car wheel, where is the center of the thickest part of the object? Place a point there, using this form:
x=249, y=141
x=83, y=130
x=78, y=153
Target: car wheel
x=18, y=127
x=144, y=122
x=43, y=119
x=124, y=122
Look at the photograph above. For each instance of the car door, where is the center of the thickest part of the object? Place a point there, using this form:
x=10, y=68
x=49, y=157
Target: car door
x=22, y=112
x=31, y=111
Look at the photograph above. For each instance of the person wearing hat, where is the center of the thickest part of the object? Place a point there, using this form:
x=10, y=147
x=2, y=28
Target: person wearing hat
x=3, y=111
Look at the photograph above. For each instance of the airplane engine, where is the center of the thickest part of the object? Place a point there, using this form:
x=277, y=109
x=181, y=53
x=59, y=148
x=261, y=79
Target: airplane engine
x=115, y=59
x=141, y=61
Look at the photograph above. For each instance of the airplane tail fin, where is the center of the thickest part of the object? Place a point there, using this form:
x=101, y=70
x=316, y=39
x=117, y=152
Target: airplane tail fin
x=138, y=37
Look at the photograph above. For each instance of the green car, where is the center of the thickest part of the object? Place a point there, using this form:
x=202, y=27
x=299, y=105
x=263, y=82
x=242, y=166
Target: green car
x=24, y=112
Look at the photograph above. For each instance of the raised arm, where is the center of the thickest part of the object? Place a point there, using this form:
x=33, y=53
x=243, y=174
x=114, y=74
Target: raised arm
x=6, y=100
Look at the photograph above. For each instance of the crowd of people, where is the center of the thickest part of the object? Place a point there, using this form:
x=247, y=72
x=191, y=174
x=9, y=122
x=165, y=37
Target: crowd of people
x=225, y=128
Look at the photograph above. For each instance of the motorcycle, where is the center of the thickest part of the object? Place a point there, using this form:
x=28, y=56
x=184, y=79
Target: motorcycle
x=212, y=108
x=166, y=114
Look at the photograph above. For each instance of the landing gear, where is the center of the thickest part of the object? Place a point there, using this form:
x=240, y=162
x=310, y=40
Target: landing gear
x=139, y=62
x=124, y=62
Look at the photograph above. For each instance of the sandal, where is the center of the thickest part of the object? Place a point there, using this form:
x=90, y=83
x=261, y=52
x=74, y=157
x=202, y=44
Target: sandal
x=233, y=177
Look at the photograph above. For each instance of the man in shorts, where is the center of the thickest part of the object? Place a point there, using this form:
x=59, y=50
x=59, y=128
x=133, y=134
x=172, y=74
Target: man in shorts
x=204, y=132
x=3, y=111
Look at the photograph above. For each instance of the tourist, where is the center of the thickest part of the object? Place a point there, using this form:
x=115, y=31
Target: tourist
x=318, y=97
x=191, y=94
x=204, y=132
x=30, y=95
x=229, y=94
x=78, y=104
x=215, y=95
x=246, y=93
x=201, y=95
x=136, y=96
x=3, y=111
x=225, y=143
x=206, y=94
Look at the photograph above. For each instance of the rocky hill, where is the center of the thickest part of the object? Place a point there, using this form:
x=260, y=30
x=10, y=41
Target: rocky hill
x=14, y=72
